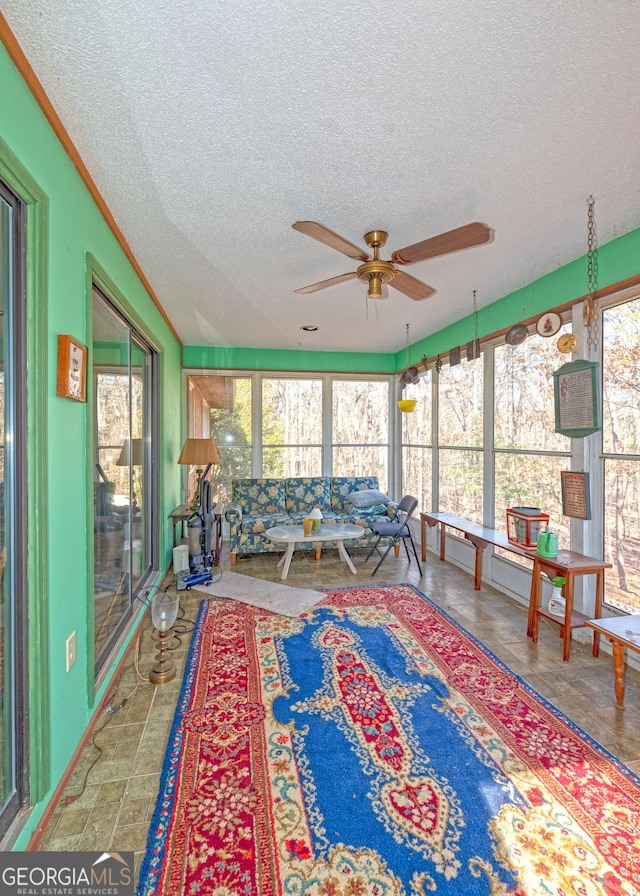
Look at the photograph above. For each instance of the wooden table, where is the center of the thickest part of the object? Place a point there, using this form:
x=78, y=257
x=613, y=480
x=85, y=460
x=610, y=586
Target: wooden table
x=183, y=512
x=479, y=536
x=621, y=631
x=568, y=565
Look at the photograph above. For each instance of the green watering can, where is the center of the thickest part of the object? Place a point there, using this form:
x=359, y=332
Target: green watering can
x=547, y=544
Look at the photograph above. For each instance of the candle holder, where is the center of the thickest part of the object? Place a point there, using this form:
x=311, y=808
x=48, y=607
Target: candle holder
x=164, y=611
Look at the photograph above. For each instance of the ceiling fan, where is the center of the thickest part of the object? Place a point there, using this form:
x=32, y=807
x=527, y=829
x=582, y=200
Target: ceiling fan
x=375, y=271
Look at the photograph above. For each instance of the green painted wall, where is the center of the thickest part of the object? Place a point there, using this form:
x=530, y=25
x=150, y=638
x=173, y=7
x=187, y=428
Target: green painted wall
x=275, y=359
x=76, y=230
x=617, y=260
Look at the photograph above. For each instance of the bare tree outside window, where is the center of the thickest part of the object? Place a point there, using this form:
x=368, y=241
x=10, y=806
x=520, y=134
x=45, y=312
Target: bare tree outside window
x=621, y=450
x=360, y=414
x=460, y=416
x=291, y=427
x=417, y=449
x=530, y=455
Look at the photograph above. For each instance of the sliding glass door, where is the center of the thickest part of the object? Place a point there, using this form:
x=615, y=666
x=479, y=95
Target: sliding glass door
x=13, y=597
x=122, y=384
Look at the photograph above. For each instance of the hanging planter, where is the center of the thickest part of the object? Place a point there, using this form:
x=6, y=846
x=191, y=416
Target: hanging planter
x=411, y=376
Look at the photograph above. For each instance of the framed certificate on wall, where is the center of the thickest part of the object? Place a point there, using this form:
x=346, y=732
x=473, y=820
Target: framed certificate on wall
x=576, y=399
x=72, y=369
x=576, y=500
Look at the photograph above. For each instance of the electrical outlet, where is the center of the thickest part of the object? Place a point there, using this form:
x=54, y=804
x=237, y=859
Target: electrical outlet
x=71, y=650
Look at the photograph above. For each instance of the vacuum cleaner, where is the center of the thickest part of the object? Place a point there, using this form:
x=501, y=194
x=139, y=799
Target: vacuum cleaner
x=200, y=537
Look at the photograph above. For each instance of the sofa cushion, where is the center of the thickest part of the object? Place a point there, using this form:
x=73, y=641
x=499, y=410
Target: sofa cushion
x=259, y=496
x=304, y=493
x=360, y=518
x=374, y=510
x=261, y=522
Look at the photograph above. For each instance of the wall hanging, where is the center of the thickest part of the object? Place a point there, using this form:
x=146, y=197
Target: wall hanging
x=576, y=399
x=72, y=369
x=576, y=500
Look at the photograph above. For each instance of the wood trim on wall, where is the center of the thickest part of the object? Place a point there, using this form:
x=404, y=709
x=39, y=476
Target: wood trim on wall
x=603, y=293
x=30, y=78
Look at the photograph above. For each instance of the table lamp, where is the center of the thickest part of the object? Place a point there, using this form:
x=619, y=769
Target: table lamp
x=164, y=611
x=198, y=453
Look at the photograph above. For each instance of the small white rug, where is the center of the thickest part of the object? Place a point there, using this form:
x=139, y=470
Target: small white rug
x=282, y=599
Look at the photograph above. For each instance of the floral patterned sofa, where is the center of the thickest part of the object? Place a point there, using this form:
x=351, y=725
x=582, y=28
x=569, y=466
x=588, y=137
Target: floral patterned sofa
x=259, y=504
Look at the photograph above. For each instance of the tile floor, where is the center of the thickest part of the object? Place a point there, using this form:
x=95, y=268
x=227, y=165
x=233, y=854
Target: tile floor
x=116, y=805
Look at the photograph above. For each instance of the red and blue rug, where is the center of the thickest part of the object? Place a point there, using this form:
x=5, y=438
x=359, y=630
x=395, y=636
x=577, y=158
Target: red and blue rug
x=373, y=748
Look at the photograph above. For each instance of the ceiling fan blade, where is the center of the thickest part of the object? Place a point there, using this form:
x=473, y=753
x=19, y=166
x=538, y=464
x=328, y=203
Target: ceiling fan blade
x=452, y=241
x=332, y=281
x=411, y=287
x=329, y=238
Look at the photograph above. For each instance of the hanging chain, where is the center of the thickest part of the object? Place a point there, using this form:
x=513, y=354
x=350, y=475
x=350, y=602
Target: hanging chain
x=475, y=317
x=592, y=276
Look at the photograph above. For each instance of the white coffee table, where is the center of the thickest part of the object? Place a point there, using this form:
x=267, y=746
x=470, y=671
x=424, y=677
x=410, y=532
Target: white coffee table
x=293, y=535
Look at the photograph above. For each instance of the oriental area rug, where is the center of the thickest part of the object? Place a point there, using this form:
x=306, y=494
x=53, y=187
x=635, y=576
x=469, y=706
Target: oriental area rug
x=371, y=747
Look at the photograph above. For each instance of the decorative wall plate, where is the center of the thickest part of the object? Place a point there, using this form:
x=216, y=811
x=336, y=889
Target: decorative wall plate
x=566, y=343
x=548, y=324
x=517, y=334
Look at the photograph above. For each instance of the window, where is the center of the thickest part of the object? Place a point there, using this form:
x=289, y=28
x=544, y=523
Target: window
x=123, y=489
x=417, y=450
x=529, y=454
x=360, y=427
x=621, y=453
x=220, y=407
x=280, y=426
x=460, y=454
x=291, y=427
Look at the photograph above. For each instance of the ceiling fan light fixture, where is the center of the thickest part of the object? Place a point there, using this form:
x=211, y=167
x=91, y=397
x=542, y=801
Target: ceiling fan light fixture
x=374, y=271
x=375, y=288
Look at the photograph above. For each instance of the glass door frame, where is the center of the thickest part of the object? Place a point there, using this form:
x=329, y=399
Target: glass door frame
x=99, y=285
x=16, y=571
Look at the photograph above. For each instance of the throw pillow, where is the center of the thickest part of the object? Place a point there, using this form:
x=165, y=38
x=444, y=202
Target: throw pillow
x=374, y=510
x=367, y=497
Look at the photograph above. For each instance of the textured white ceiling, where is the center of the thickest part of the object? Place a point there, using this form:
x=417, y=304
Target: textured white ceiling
x=211, y=126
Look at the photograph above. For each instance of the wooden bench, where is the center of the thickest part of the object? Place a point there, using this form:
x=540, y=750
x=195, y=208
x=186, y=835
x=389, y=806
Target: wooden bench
x=567, y=565
x=479, y=536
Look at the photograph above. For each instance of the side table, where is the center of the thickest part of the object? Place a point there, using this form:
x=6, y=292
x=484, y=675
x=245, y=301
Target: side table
x=568, y=565
x=182, y=512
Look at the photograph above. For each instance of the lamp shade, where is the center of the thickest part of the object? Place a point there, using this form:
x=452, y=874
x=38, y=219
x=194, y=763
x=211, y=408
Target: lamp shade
x=164, y=610
x=131, y=453
x=199, y=452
